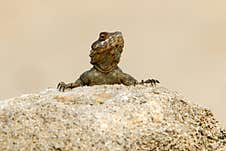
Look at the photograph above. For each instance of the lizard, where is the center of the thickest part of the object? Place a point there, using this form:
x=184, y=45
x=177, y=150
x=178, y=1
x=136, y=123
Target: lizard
x=105, y=55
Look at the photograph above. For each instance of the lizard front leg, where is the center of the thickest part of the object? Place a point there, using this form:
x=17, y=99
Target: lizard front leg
x=62, y=86
x=127, y=79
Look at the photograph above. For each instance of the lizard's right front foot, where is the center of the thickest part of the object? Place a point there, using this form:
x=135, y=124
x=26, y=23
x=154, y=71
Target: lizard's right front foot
x=153, y=82
x=62, y=86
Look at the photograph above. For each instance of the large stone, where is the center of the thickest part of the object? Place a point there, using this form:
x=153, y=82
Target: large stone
x=112, y=117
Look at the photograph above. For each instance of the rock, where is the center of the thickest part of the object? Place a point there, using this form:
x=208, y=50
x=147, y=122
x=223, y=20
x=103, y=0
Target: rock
x=113, y=117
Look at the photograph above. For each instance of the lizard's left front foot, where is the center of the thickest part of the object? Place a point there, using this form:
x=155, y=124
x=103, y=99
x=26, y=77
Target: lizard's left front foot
x=153, y=82
x=62, y=86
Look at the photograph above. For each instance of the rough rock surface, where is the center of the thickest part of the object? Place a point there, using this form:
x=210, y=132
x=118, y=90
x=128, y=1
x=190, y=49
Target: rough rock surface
x=112, y=117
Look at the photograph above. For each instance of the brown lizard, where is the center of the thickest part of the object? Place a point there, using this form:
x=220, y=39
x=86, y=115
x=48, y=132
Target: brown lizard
x=105, y=55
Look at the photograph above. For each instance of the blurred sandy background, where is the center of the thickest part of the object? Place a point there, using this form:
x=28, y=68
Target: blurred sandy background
x=180, y=42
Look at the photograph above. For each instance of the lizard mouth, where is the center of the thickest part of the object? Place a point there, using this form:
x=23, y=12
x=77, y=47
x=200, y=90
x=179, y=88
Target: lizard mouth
x=94, y=57
x=92, y=61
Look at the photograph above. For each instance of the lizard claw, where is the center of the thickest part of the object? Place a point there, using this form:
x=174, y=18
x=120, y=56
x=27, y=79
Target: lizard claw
x=153, y=82
x=58, y=85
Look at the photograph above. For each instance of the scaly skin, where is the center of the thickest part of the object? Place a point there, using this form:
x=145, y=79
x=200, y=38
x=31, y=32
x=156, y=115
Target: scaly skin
x=105, y=55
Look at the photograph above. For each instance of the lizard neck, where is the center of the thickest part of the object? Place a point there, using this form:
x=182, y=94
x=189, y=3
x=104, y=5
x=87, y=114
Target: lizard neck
x=107, y=61
x=106, y=69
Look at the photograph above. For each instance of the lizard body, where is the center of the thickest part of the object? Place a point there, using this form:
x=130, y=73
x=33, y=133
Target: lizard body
x=105, y=55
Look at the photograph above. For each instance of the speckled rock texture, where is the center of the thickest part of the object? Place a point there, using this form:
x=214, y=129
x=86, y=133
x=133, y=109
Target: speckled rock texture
x=108, y=117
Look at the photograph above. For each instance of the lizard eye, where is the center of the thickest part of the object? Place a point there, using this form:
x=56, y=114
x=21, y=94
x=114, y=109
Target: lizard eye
x=102, y=37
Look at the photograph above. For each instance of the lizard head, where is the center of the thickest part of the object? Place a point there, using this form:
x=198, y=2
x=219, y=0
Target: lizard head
x=108, y=41
x=106, y=50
